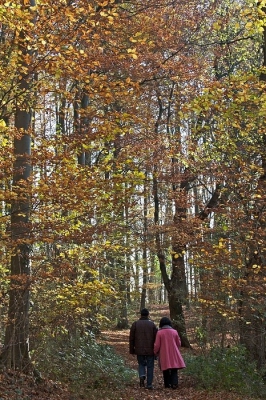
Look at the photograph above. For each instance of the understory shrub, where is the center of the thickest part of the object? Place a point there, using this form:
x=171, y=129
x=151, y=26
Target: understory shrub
x=83, y=363
x=226, y=369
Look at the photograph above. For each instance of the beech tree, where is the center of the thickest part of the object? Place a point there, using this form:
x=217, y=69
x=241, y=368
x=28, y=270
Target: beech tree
x=54, y=49
x=252, y=299
x=130, y=132
x=227, y=253
x=16, y=345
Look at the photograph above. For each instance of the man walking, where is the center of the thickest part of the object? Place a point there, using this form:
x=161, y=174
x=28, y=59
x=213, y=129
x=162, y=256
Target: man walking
x=141, y=342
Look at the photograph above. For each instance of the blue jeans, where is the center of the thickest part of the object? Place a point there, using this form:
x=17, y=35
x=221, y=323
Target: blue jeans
x=146, y=362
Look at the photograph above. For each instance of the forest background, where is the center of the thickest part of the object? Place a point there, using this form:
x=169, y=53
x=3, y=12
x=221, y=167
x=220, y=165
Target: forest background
x=132, y=170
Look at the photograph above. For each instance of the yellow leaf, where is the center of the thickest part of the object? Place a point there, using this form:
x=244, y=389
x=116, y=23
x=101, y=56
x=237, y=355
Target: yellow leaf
x=4, y=142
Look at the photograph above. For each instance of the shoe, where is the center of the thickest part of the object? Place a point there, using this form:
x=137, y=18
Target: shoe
x=174, y=386
x=150, y=387
x=141, y=381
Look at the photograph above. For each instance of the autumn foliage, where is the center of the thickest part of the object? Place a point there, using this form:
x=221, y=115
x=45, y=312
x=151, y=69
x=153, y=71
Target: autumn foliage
x=132, y=168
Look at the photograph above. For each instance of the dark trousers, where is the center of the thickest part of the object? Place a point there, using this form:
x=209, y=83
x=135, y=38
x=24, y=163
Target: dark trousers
x=170, y=378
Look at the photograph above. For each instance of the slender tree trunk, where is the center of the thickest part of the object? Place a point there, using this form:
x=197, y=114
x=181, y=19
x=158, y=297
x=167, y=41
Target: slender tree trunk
x=144, y=253
x=81, y=122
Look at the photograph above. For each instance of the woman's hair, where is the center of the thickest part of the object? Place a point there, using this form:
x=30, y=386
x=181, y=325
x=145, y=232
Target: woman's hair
x=165, y=321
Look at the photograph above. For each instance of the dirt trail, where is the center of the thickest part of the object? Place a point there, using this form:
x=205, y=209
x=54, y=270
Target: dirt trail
x=14, y=386
x=186, y=390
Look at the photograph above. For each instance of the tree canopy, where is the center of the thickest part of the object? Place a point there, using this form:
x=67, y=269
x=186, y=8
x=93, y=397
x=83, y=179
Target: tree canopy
x=132, y=165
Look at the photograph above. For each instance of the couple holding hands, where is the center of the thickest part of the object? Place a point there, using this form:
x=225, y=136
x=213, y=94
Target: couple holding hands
x=148, y=342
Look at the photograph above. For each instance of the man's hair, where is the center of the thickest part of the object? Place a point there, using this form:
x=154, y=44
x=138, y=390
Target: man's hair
x=144, y=312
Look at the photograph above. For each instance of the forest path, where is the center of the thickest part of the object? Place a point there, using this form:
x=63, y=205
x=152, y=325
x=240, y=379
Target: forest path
x=118, y=339
x=15, y=386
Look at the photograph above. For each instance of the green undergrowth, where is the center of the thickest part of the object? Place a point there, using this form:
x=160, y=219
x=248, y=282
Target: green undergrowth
x=83, y=364
x=226, y=369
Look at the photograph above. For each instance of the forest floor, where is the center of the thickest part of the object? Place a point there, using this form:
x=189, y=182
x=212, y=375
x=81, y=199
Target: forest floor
x=15, y=386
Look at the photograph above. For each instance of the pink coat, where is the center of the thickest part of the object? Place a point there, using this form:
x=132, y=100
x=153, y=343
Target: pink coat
x=166, y=346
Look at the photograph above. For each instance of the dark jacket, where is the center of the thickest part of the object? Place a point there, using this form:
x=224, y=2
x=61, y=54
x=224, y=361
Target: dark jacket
x=142, y=337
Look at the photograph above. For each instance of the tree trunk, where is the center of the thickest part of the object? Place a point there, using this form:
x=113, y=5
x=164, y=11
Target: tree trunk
x=16, y=345
x=144, y=253
x=81, y=122
x=252, y=303
x=175, y=299
x=16, y=350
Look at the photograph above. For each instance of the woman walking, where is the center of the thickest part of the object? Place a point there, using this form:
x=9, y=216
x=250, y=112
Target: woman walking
x=167, y=346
